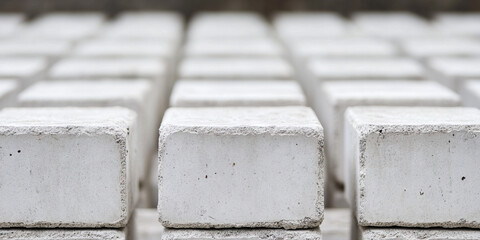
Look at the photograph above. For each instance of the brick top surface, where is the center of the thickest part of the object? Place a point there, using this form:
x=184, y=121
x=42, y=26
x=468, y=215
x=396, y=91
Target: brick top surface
x=21, y=66
x=456, y=67
x=235, y=68
x=414, y=116
x=86, y=90
x=237, y=92
x=425, y=47
x=115, y=117
x=108, y=67
x=233, y=47
x=389, y=90
x=365, y=68
x=293, y=25
x=124, y=47
x=248, y=117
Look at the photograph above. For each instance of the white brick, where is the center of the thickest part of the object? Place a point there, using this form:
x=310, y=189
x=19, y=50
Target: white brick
x=453, y=71
x=63, y=25
x=8, y=91
x=21, y=67
x=136, y=95
x=256, y=47
x=331, y=69
x=235, y=68
x=154, y=69
x=365, y=68
x=108, y=67
x=336, y=226
x=335, y=97
x=343, y=47
x=68, y=167
x=154, y=26
x=470, y=92
x=434, y=47
x=417, y=234
x=65, y=234
x=236, y=93
x=125, y=48
x=391, y=25
x=424, y=159
x=9, y=23
x=242, y=234
x=33, y=47
x=457, y=24
x=230, y=151
x=295, y=26
x=227, y=25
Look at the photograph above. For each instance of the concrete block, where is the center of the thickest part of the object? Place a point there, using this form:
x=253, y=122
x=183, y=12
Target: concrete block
x=136, y=95
x=335, y=97
x=65, y=234
x=156, y=25
x=452, y=71
x=322, y=69
x=69, y=167
x=343, y=47
x=33, y=47
x=391, y=25
x=154, y=69
x=372, y=233
x=21, y=67
x=230, y=151
x=424, y=159
x=210, y=25
x=245, y=47
x=125, y=48
x=8, y=92
x=63, y=25
x=235, y=68
x=10, y=23
x=336, y=226
x=365, y=68
x=435, y=47
x=457, y=24
x=134, y=67
x=188, y=93
x=470, y=92
x=242, y=234
x=292, y=27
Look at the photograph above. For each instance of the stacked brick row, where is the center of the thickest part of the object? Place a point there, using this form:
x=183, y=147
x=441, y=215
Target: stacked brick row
x=399, y=146
x=239, y=151
x=82, y=132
